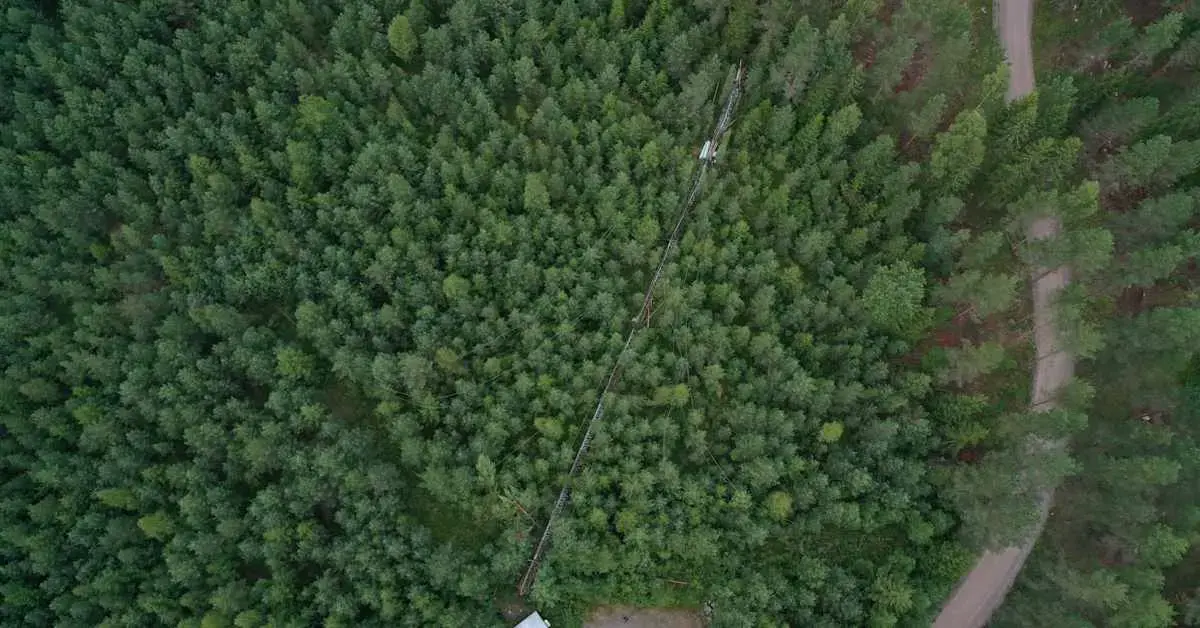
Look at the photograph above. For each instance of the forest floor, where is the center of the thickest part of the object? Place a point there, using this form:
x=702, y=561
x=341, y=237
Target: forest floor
x=983, y=589
x=627, y=617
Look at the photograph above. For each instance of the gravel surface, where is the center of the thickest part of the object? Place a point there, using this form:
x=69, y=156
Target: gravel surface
x=982, y=591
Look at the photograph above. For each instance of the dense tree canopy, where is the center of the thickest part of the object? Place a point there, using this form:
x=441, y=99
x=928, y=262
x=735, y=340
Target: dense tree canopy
x=1115, y=552
x=305, y=305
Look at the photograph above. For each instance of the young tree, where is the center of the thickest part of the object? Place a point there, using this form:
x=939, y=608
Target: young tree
x=401, y=38
x=969, y=362
x=893, y=299
x=958, y=152
x=983, y=294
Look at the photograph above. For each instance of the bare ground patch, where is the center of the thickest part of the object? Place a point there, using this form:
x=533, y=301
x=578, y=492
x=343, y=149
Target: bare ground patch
x=628, y=617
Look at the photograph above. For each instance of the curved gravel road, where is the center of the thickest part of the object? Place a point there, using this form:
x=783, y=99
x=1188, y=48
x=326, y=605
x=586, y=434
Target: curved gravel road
x=982, y=591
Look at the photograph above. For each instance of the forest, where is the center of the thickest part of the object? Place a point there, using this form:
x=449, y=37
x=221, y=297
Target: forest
x=1122, y=546
x=305, y=307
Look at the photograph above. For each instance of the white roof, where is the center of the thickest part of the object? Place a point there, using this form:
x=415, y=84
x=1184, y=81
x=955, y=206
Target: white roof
x=533, y=621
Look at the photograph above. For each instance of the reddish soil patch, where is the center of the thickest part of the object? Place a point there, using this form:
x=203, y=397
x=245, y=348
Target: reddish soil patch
x=915, y=71
x=1142, y=12
x=1165, y=293
x=864, y=54
x=948, y=338
x=864, y=51
x=1122, y=200
x=970, y=455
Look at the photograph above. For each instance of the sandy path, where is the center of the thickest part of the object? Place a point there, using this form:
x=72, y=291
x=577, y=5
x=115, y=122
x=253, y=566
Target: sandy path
x=982, y=591
x=1014, y=19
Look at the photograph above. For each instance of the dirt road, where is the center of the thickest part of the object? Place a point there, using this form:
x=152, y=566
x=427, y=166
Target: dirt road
x=981, y=592
x=1014, y=20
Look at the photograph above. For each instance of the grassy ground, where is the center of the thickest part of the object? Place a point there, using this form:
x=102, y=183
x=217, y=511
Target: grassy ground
x=623, y=617
x=1063, y=28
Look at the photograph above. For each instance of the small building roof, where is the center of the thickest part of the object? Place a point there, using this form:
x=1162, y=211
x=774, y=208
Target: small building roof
x=533, y=621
